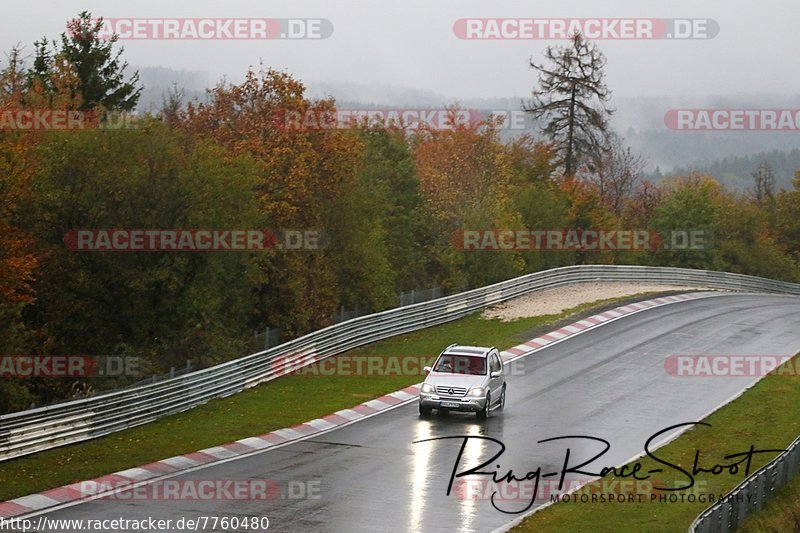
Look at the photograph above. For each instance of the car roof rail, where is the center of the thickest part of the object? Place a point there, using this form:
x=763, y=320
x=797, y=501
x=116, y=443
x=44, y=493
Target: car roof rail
x=443, y=351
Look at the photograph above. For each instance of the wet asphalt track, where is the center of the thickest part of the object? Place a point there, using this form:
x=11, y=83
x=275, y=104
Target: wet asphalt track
x=609, y=382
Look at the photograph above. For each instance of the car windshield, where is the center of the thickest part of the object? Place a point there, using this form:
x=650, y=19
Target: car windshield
x=461, y=364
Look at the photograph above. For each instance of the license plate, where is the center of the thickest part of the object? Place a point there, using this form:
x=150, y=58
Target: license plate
x=450, y=404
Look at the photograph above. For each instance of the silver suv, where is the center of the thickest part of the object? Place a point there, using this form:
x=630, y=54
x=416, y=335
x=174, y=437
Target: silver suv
x=464, y=378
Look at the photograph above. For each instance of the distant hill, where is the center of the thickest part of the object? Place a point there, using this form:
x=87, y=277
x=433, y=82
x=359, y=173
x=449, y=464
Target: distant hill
x=157, y=82
x=731, y=156
x=735, y=172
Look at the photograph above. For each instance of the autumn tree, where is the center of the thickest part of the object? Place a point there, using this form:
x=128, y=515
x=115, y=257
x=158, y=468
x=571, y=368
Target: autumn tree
x=538, y=198
x=303, y=175
x=19, y=259
x=747, y=243
x=788, y=218
x=640, y=206
x=585, y=210
x=467, y=179
x=17, y=163
x=689, y=204
x=166, y=307
x=570, y=100
x=463, y=169
x=531, y=159
x=389, y=178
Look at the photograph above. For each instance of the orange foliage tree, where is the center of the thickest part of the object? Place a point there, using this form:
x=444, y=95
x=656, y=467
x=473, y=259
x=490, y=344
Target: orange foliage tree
x=17, y=260
x=467, y=177
x=304, y=172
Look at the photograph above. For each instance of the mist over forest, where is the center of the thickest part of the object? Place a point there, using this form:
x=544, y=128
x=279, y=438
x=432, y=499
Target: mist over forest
x=730, y=156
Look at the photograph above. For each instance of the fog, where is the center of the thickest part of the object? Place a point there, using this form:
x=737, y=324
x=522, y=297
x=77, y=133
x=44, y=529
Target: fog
x=412, y=43
x=408, y=53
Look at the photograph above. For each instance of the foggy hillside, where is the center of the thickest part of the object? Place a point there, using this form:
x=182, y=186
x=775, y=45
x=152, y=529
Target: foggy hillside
x=730, y=156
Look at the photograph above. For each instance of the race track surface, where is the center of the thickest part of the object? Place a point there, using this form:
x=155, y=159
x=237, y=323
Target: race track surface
x=609, y=382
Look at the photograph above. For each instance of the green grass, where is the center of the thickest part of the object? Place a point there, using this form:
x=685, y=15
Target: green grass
x=781, y=514
x=766, y=416
x=287, y=401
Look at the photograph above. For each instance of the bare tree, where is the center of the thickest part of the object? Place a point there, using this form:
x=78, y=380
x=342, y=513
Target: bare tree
x=12, y=78
x=616, y=172
x=172, y=104
x=764, y=178
x=571, y=100
x=644, y=200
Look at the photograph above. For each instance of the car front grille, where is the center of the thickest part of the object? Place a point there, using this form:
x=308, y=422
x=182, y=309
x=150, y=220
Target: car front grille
x=444, y=390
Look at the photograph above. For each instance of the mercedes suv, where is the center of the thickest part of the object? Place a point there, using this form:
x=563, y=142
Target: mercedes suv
x=464, y=378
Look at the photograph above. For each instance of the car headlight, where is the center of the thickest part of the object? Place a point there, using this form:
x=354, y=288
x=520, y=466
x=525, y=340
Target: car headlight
x=476, y=391
x=427, y=388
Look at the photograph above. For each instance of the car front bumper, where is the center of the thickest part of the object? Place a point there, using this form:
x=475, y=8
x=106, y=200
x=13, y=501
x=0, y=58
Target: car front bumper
x=471, y=404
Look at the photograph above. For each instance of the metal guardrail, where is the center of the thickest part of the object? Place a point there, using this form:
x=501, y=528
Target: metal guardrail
x=33, y=430
x=417, y=296
x=751, y=494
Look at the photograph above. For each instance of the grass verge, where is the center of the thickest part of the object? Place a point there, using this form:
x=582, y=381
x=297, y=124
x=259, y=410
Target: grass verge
x=284, y=402
x=781, y=514
x=765, y=416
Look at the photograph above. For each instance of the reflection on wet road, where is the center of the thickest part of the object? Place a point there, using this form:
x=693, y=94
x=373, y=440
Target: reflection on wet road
x=609, y=382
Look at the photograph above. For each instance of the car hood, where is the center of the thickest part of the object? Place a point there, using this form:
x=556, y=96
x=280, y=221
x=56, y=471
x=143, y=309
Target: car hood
x=455, y=380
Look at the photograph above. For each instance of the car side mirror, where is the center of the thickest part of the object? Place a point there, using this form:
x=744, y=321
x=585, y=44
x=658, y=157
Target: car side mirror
x=427, y=370
x=496, y=374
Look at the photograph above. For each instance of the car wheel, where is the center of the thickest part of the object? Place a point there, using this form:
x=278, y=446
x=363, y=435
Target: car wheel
x=424, y=411
x=484, y=413
x=502, y=399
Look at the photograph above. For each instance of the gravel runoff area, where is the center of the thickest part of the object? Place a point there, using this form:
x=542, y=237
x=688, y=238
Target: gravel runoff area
x=558, y=299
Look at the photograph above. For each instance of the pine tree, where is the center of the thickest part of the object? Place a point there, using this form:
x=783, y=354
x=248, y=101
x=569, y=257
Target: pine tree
x=99, y=70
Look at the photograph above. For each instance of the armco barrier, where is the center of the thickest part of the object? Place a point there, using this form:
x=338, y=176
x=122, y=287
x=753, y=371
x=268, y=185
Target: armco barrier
x=43, y=428
x=751, y=494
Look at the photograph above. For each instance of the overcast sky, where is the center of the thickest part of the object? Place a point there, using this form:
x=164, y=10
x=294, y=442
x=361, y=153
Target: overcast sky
x=411, y=43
